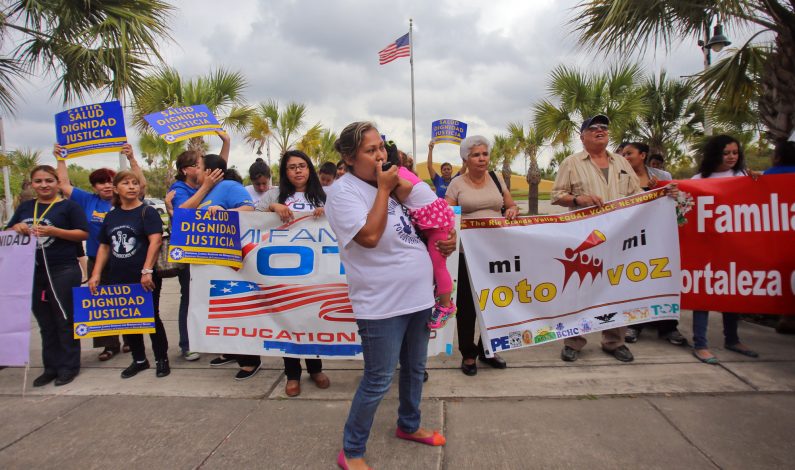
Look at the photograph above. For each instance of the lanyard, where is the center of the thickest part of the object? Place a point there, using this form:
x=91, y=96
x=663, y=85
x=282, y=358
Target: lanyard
x=36, y=219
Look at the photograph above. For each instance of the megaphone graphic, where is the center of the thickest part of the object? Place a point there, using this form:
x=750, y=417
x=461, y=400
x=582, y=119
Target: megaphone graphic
x=595, y=238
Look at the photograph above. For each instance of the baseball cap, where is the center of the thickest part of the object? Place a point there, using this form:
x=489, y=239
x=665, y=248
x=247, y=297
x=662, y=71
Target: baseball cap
x=598, y=119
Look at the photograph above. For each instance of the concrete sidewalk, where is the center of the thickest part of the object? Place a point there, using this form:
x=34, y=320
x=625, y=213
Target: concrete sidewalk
x=665, y=410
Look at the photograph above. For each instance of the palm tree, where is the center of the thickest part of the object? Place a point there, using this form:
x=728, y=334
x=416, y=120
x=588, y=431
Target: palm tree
x=23, y=161
x=529, y=143
x=616, y=93
x=158, y=152
x=503, y=153
x=220, y=90
x=319, y=145
x=86, y=45
x=760, y=72
x=283, y=126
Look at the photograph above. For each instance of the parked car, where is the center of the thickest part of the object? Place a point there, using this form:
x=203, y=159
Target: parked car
x=160, y=207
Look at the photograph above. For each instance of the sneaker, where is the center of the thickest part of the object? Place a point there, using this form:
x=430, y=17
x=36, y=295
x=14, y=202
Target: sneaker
x=622, y=353
x=676, y=338
x=134, y=368
x=192, y=356
x=440, y=315
x=221, y=360
x=569, y=354
x=247, y=374
x=631, y=336
x=162, y=368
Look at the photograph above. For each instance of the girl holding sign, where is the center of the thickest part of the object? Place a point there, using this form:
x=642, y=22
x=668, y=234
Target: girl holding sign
x=60, y=226
x=129, y=244
x=299, y=191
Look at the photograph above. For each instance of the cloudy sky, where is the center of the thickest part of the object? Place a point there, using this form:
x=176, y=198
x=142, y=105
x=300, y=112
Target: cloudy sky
x=484, y=63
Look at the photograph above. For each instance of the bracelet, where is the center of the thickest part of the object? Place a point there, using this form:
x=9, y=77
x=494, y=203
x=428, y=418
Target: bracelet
x=147, y=271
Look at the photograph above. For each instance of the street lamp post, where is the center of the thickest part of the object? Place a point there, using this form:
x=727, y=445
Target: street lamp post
x=715, y=43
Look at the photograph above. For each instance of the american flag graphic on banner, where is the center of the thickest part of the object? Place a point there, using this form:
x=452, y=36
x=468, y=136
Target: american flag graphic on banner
x=238, y=299
x=400, y=48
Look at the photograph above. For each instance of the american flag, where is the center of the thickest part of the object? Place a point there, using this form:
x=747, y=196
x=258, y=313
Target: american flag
x=399, y=48
x=236, y=299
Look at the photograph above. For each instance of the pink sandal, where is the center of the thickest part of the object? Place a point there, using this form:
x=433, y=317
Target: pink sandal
x=343, y=464
x=435, y=440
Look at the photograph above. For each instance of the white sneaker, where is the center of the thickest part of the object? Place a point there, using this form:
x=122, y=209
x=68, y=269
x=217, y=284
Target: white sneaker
x=191, y=356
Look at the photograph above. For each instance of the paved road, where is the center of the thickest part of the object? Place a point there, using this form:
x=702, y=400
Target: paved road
x=665, y=410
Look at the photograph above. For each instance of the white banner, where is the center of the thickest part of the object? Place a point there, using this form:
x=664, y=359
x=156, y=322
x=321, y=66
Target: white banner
x=290, y=298
x=17, y=260
x=545, y=278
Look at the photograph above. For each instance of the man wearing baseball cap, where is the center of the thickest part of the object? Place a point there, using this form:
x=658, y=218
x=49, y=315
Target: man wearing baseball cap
x=591, y=178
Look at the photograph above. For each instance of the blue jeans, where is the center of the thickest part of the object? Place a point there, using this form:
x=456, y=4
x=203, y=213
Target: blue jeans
x=184, y=296
x=385, y=342
x=700, y=321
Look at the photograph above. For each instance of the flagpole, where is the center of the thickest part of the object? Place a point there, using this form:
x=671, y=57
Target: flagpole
x=413, y=122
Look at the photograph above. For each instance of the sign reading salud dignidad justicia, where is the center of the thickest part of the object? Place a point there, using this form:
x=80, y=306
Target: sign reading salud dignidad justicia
x=176, y=124
x=95, y=128
x=546, y=278
x=116, y=309
x=448, y=131
x=201, y=237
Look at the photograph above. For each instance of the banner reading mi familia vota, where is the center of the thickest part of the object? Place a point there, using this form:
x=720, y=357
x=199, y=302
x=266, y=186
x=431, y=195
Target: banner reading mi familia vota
x=545, y=278
x=289, y=298
x=737, y=244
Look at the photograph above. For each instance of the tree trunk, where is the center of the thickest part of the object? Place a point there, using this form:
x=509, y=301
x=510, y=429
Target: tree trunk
x=533, y=180
x=777, y=97
x=506, y=172
x=197, y=144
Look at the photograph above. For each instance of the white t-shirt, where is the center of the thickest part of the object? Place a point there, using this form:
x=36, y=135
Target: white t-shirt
x=421, y=195
x=719, y=174
x=296, y=202
x=394, y=278
x=255, y=196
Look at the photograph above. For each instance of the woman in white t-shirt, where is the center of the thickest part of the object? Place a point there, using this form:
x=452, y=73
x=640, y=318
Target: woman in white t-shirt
x=390, y=285
x=260, y=175
x=299, y=191
x=723, y=158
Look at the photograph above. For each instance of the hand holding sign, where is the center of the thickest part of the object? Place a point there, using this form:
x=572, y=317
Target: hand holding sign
x=95, y=128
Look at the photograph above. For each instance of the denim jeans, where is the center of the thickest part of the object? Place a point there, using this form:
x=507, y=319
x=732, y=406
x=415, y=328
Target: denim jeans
x=386, y=342
x=184, y=296
x=700, y=322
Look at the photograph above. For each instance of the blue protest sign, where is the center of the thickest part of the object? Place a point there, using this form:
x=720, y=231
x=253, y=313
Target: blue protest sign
x=95, y=128
x=448, y=131
x=116, y=309
x=199, y=237
x=176, y=124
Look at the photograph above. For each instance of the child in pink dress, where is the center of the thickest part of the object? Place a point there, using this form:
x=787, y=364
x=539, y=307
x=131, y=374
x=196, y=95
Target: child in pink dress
x=435, y=219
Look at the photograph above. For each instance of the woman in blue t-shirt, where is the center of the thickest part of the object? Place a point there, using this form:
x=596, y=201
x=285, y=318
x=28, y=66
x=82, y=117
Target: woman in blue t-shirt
x=129, y=245
x=96, y=205
x=299, y=191
x=60, y=226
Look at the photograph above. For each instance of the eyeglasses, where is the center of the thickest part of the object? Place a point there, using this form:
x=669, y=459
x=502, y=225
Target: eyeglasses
x=300, y=166
x=598, y=127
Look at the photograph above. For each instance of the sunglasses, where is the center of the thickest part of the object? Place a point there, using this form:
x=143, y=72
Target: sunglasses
x=598, y=127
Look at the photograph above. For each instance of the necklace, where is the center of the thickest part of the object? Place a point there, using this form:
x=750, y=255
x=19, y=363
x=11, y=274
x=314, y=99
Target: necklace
x=36, y=218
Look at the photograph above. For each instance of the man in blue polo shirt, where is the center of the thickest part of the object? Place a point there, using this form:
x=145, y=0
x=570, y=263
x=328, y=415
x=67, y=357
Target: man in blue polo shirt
x=440, y=182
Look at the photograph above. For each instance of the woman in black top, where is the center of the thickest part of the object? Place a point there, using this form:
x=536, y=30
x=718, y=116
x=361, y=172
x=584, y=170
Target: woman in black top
x=129, y=243
x=60, y=226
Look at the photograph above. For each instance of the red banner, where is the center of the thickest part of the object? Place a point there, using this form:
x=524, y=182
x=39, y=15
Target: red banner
x=737, y=239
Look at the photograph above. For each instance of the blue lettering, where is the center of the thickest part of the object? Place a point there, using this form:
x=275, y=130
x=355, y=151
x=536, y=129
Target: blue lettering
x=299, y=236
x=500, y=343
x=277, y=232
x=331, y=249
x=250, y=236
x=306, y=260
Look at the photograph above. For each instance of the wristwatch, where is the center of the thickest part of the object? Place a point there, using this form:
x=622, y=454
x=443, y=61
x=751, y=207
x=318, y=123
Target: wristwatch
x=147, y=271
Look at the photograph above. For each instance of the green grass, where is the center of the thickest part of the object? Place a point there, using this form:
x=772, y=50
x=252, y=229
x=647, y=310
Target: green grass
x=522, y=196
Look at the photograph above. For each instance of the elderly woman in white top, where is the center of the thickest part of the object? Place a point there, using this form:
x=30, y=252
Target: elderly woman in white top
x=480, y=193
x=390, y=284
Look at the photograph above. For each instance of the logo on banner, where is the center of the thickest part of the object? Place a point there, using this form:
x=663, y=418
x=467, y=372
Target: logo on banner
x=580, y=263
x=81, y=329
x=606, y=318
x=636, y=314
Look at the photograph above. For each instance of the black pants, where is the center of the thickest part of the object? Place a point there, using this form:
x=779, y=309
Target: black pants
x=664, y=327
x=244, y=360
x=110, y=342
x=292, y=367
x=159, y=339
x=466, y=316
x=60, y=351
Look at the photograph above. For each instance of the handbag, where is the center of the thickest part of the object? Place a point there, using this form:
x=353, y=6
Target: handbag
x=499, y=188
x=163, y=266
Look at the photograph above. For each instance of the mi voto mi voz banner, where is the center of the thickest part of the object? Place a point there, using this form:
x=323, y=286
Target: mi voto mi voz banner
x=738, y=250
x=290, y=298
x=545, y=278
